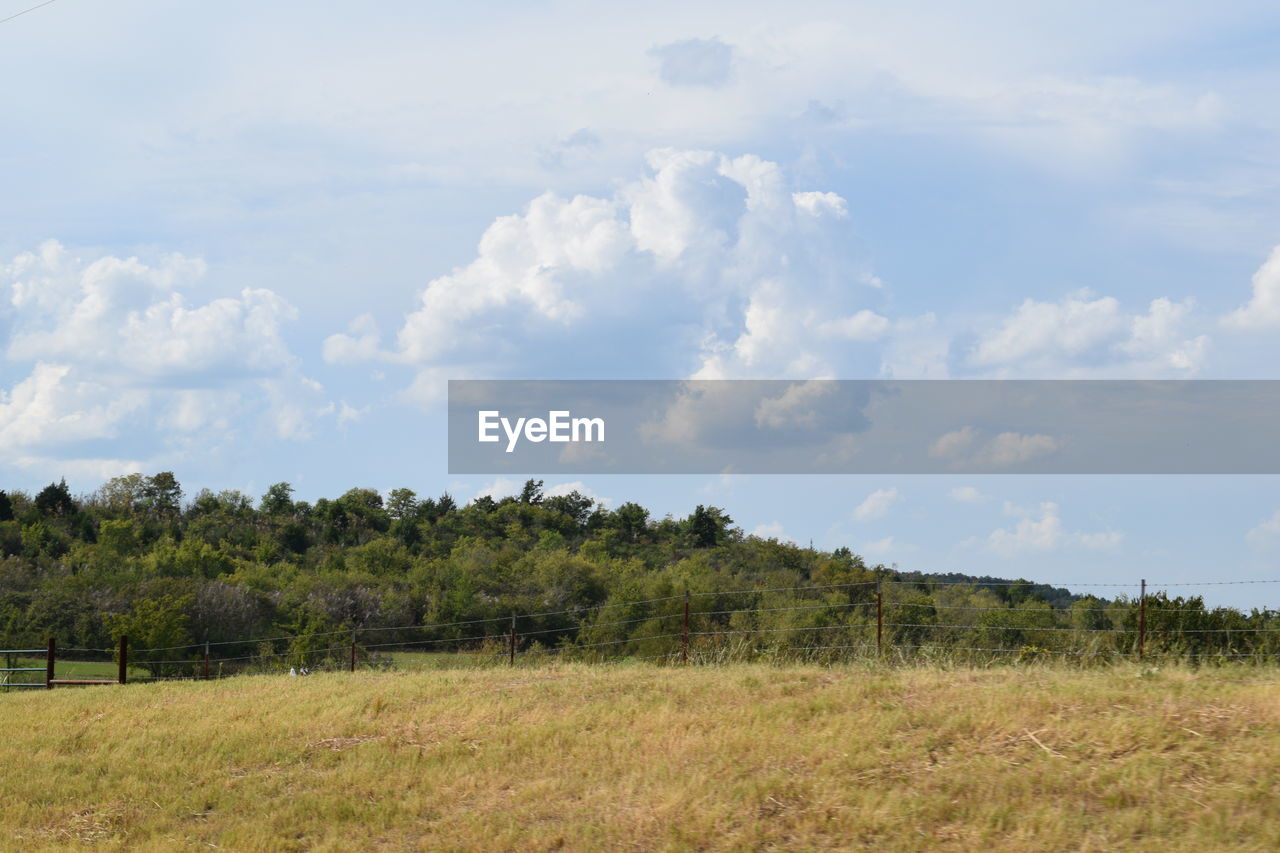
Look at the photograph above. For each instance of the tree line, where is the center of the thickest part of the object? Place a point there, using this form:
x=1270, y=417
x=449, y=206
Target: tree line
x=137, y=557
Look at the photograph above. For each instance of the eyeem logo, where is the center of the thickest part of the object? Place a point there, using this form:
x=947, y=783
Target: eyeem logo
x=559, y=426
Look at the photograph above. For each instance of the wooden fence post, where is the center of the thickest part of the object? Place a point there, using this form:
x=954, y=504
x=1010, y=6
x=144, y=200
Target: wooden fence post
x=48, y=664
x=684, y=640
x=879, y=619
x=353, y=649
x=512, y=654
x=206, y=659
x=1142, y=620
x=123, y=674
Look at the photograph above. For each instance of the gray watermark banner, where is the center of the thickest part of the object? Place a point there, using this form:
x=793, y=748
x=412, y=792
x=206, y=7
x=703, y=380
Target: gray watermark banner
x=829, y=426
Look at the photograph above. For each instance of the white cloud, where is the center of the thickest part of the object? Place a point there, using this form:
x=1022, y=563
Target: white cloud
x=124, y=315
x=964, y=448
x=820, y=204
x=1267, y=531
x=1011, y=448
x=119, y=354
x=967, y=495
x=499, y=488
x=1041, y=529
x=772, y=530
x=864, y=326
x=796, y=407
x=1035, y=532
x=1262, y=311
x=1080, y=336
x=579, y=487
x=709, y=266
x=877, y=504
x=953, y=444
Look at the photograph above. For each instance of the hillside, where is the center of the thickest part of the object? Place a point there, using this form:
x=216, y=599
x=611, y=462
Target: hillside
x=653, y=758
x=272, y=583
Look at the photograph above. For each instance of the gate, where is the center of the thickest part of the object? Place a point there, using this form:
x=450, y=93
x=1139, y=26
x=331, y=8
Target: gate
x=11, y=666
x=12, y=659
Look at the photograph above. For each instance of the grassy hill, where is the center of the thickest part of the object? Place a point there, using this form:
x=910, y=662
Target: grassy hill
x=640, y=757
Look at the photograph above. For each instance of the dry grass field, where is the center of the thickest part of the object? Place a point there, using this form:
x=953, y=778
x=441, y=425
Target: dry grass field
x=634, y=757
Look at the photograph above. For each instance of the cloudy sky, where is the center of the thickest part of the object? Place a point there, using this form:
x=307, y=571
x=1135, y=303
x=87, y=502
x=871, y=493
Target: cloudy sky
x=250, y=242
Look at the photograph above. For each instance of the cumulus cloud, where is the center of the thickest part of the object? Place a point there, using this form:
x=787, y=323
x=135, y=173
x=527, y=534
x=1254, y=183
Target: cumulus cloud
x=967, y=495
x=1080, y=336
x=1041, y=529
x=772, y=530
x=694, y=62
x=561, y=489
x=965, y=448
x=708, y=266
x=1262, y=311
x=118, y=350
x=877, y=504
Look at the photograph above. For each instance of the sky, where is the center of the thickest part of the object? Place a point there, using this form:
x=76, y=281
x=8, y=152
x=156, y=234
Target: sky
x=250, y=243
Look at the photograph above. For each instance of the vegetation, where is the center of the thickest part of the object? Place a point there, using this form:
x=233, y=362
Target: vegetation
x=641, y=757
x=136, y=558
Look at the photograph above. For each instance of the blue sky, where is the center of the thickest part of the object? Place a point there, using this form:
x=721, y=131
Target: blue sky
x=250, y=242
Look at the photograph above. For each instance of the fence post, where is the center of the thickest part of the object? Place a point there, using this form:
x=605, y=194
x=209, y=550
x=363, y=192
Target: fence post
x=48, y=664
x=124, y=659
x=206, y=658
x=512, y=653
x=353, y=649
x=1142, y=620
x=879, y=619
x=684, y=639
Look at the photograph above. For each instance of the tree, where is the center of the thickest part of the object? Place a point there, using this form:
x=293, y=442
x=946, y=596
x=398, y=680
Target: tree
x=162, y=495
x=278, y=500
x=403, y=504
x=532, y=492
x=55, y=500
x=122, y=494
x=575, y=505
x=630, y=520
x=159, y=629
x=708, y=526
x=6, y=507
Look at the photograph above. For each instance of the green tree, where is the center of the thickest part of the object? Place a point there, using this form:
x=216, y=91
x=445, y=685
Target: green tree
x=278, y=500
x=55, y=501
x=162, y=495
x=159, y=633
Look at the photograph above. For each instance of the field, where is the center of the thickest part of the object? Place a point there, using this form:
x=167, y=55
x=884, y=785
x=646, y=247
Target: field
x=652, y=758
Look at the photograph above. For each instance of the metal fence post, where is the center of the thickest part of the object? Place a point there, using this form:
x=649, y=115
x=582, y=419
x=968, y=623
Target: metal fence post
x=48, y=664
x=124, y=659
x=353, y=649
x=1142, y=620
x=512, y=653
x=206, y=659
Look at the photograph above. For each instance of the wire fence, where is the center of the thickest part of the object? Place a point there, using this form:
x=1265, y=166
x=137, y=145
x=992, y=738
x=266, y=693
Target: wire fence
x=896, y=621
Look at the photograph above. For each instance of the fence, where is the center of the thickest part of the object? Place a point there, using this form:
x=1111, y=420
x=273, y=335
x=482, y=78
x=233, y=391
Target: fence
x=13, y=657
x=886, y=620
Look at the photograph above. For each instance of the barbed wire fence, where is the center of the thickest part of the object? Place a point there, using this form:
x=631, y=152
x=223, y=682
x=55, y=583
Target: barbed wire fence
x=888, y=621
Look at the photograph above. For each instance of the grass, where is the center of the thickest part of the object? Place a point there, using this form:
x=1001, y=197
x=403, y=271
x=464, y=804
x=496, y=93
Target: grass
x=650, y=758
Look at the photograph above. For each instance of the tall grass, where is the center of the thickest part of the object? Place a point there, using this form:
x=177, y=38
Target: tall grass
x=576, y=757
